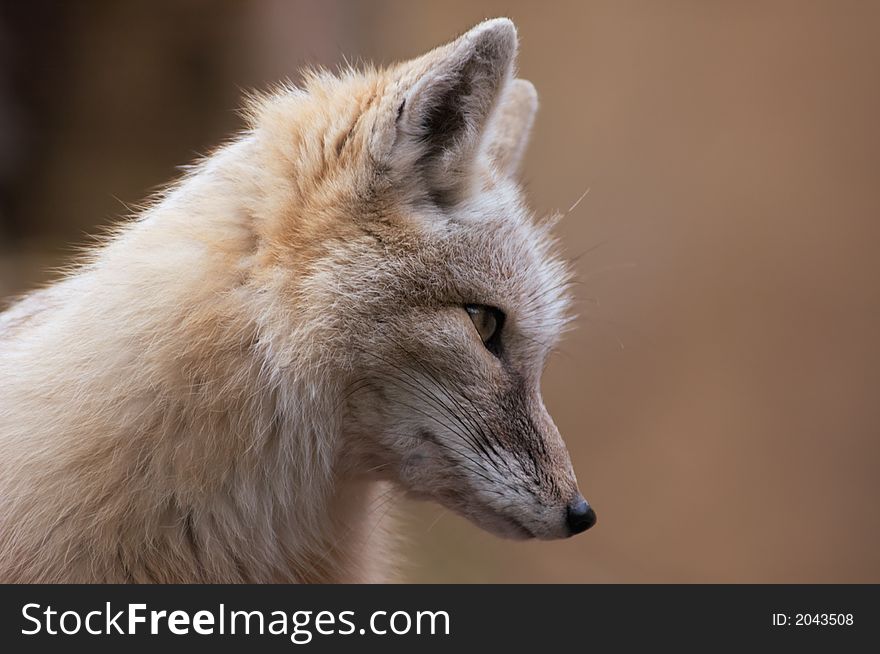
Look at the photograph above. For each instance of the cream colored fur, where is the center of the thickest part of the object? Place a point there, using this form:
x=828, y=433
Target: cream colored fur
x=232, y=387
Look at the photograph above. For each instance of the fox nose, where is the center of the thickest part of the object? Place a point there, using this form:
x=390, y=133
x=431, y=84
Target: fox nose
x=579, y=515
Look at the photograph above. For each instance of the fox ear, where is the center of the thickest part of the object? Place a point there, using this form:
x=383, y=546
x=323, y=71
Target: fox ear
x=442, y=117
x=511, y=126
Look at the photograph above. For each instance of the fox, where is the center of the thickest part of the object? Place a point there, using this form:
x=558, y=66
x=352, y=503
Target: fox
x=347, y=303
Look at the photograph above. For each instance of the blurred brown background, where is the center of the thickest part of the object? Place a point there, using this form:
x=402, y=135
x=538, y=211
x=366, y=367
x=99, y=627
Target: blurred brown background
x=721, y=395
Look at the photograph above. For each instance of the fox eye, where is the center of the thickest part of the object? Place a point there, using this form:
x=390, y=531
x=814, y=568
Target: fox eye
x=488, y=321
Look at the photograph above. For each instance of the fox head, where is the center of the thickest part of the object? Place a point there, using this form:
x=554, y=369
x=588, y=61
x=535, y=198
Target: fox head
x=433, y=292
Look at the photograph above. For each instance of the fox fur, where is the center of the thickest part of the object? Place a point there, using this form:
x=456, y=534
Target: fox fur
x=235, y=383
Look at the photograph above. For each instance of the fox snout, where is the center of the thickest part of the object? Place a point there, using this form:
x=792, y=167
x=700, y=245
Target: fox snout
x=494, y=458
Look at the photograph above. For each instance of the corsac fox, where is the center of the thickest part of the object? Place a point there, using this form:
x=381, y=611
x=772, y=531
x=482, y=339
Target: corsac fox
x=348, y=300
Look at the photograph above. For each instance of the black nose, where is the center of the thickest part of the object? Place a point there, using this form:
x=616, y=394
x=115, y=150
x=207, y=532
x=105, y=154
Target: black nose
x=579, y=515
